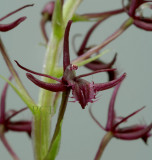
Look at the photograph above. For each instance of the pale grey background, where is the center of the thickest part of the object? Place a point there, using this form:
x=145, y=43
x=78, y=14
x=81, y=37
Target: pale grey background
x=81, y=136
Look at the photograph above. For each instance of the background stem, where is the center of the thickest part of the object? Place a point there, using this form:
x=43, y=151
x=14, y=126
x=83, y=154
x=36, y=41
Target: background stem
x=102, y=145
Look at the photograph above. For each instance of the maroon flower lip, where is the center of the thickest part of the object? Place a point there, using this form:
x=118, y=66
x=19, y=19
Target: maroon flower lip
x=82, y=90
x=126, y=133
x=12, y=25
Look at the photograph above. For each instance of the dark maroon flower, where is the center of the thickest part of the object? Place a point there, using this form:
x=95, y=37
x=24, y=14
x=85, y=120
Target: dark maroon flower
x=126, y=133
x=7, y=125
x=139, y=20
x=47, y=13
x=82, y=90
x=7, y=27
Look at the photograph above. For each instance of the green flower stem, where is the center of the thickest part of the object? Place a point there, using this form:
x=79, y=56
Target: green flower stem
x=103, y=145
x=116, y=34
x=65, y=96
x=53, y=49
x=41, y=132
x=42, y=121
x=27, y=99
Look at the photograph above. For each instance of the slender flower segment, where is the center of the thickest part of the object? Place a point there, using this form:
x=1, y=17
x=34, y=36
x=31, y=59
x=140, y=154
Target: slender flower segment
x=102, y=15
x=125, y=133
x=66, y=53
x=10, y=26
x=82, y=90
x=139, y=20
x=47, y=13
x=3, y=101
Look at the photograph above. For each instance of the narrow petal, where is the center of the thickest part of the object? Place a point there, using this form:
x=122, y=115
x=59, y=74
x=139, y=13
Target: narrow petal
x=2, y=102
x=103, y=14
x=143, y=25
x=111, y=111
x=48, y=86
x=8, y=147
x=7, y=27
x=132, y=128
x=107, y=85
x=127, y=117
x=29, y=5
x=15, y=113
x=66, y=54
x=47, y=13
x=86, y=38
x=133, y=6
x=133, y=135
x=42, y=25
x=93, y=117
x=20, y=126
x=39, y=74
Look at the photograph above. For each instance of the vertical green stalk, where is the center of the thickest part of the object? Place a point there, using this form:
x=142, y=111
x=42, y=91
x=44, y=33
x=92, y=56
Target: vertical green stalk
x=41, y=133
x=42, y=120
x=53, y=49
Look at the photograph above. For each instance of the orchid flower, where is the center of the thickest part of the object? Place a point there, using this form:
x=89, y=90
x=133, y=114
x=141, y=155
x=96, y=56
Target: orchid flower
x=125, y=133
x=82, y=90
x=7, y=27
x=7, y=125
x=139, y=20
